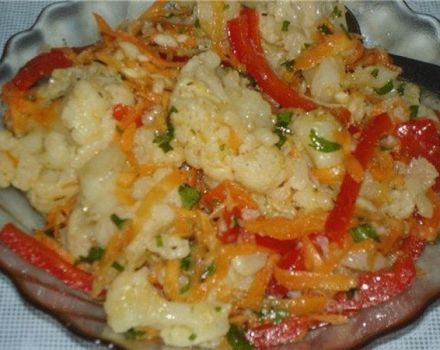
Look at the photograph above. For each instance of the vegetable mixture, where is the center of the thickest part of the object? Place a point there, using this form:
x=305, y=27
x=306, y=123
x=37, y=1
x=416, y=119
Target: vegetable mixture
x=224, y=174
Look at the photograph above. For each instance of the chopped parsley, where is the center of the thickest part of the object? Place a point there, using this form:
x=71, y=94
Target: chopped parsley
x=324, y=29
x=117, y=266
x=188, y=195
x=185, y=288
x=133, y=334
x=95, y=254
x=163, y=140
x=385, y=89
x=364, y=231
x=289, y=65
x=401, y=89
x=197, y=23
x=159, y=241
x=185, y=263
x=345, y=30
x=273, y=315
x=351, y=293
x=209, y=271
x=119, y=222
x=285, y=26
x=282, y=127
x=237, y=339
x=226, y=6
x=413, y=111
x=336, y=12
x=192, y=337
x=321, y=144
x=49, y=232
x=374, y=73
x=218, y=308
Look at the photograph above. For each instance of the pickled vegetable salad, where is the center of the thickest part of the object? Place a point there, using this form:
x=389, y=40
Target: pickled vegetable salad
x=221, y=174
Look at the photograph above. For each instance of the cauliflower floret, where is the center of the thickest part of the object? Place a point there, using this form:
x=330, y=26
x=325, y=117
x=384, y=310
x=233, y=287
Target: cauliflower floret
x=90, y=221
x=133, y=302
x=225, y=128
x=317, y=129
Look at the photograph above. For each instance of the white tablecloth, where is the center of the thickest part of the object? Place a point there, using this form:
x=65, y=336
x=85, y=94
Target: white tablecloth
x=23, y=327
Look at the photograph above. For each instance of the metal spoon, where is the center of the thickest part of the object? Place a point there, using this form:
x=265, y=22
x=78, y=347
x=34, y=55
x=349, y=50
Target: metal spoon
x=421, y=73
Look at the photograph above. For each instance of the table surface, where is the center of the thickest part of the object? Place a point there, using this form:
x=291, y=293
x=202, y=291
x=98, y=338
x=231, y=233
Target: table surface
x=22, y=327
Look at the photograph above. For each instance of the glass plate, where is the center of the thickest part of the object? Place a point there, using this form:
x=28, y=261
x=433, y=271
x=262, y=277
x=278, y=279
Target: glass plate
x=383, y=23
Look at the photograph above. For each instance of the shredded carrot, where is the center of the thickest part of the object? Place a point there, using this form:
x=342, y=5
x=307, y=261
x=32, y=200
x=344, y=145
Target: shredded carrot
x=171, y=281
x=124, y=196
x=381, y=167
x=127, y=138
x=159, y=191
x=234, y=140
x=217, y=25
x=312, y=258
x=332, y=45
x=102, y=24
x=354, y=168
x=306, y=305
x=328, y=176
x=286, y=229
x=255, y=293
x=304, y=280
x=52, y=244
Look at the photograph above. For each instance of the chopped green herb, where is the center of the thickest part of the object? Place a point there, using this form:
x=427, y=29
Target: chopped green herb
x=345, y=30
x=385, y=89
x=171, y=15
x=351, y=293
x=218, y=308
x=222, y=147
x=95, y=254
x=324, y=29
x=31, y=98
x=374, y=72
x=49, y=232
x=273, y=315
x=336, y=12
x=209, y=271
x=197, y=23
x=159, y=241
x=192, y=337
x=119, y=222
x=285, y=26
x=226, y=6
x=282, y=127
x=364, y=231
x=289, y=65
x=185, y=263
x=117, y=266
x=172, y=110
x=185, y=288
x=413, y=111
x=182, y=30
x=133, y=334
x=321, y=144
x=237, y=340
x=163, y=140
x=188, y=196
x=401, y=89
x=307, y=45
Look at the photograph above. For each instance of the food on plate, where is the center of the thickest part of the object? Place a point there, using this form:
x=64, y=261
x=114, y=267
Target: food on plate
x=223, y=174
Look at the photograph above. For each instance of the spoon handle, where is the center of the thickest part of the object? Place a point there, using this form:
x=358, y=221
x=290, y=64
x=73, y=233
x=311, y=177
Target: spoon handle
x=421, y=73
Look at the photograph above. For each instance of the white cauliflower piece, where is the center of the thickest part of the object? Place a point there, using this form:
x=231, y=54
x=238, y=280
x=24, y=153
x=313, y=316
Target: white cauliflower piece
x=133, y=302
x=216, y=112
x=325, y=127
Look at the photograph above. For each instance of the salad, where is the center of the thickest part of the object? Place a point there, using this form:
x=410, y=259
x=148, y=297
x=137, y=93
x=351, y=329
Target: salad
x=223, y=174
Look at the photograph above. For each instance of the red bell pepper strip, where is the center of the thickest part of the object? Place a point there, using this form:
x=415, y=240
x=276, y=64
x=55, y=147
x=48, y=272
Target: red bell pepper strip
x=338, y=220
x=245, y=41
x=278, y=246
x=36, y=253
x=39, y=67
x=377, y=287
x=271, y=335
x=420, y=138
